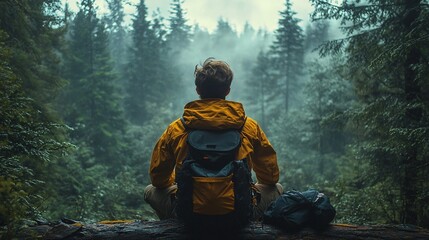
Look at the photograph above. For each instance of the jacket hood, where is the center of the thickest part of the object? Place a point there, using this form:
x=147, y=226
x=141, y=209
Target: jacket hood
x=214, y=114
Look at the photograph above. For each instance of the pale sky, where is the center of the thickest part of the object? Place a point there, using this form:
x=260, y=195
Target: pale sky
x=259, y=13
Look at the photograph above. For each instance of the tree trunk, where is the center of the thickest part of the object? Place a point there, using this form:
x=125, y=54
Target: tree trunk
x=413, y=114
x=171, y=229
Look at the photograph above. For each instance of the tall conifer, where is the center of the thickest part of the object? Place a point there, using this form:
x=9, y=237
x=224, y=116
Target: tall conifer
x=117, y=34
x=148, y=74
x=387, y=47
x=31, y=135
x=288, y=52
x=179, y=31
x=92, y=98
x=262, y=84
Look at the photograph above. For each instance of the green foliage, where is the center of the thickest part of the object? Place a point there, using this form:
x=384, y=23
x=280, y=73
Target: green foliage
x=311, y=140
x=260, y=89
x=90, y=195
x=140, y=141
x=29, y=26
x=386, y=46
x=275, y=78
x=358, y=132
x=288, y=52
x=316, y=33
x=104, y=177
x=151, y=80
x=299, y=160
x=30, y=134
x=362, y=197
x=224, y=35
x=92, y=99
x=328, y=95
x=28, y=140
x=117, y=34
x=179, y=34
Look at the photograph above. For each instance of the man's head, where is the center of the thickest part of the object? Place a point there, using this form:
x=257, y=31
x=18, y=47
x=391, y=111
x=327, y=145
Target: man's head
x=213, y=79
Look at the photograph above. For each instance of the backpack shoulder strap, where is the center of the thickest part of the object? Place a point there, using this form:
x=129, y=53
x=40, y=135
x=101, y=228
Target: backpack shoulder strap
x=184, y=124
x=244, y=123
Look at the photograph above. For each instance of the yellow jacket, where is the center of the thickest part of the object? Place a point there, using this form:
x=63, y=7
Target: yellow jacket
x=171, y=149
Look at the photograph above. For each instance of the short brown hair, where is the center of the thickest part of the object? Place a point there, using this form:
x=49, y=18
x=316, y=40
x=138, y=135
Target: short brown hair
x=213, y=79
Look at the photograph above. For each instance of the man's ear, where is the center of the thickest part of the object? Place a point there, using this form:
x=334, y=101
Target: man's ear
x=227, y=92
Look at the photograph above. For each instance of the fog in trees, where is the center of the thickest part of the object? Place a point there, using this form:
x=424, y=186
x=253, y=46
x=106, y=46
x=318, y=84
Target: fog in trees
x=85, y=95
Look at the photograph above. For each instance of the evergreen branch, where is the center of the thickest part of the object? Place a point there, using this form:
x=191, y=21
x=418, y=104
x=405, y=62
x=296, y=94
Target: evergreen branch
x=349, y=12
x=335, y=46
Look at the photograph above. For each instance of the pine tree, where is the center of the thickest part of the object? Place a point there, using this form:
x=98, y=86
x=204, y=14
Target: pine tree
x=178, y=40
x=261, y=85
x=248, y=31
x=30, y=32
x=201, y=40
x=327, y=96
x=137, y=87
x=27, y=142
x=224, y=37
x=79, y=55
x=316, y=33
x=179, y=36
x=164, y=85
x=288, y=52
x=251, y=42
x=31, y=135
x=386, y=43
x=81, y=44
x=106, y=125
x=92, y=98
x=117, y=34
x=149, y=82
x=160, y=32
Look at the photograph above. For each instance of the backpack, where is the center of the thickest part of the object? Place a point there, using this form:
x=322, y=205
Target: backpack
x=214, y=190
x=295, y=210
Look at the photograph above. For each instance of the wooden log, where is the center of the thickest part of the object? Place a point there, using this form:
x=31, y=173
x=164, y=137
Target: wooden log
x=171, y=229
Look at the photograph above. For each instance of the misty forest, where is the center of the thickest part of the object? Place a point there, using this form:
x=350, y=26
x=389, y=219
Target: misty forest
x=84, y=96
